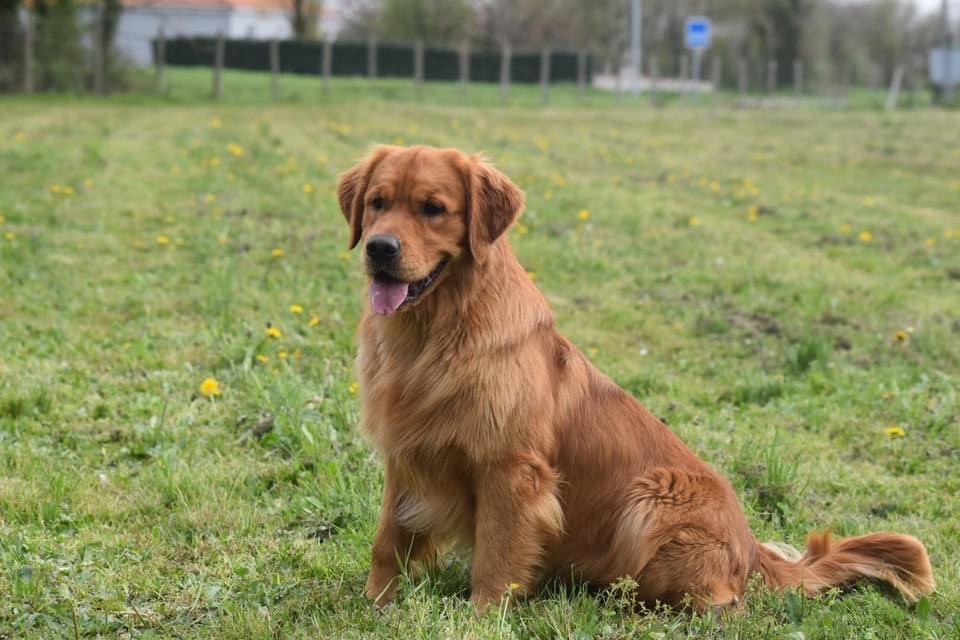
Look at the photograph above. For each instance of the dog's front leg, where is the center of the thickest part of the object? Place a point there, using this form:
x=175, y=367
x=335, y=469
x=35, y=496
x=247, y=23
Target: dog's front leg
x=393, y=546
x=517, y=516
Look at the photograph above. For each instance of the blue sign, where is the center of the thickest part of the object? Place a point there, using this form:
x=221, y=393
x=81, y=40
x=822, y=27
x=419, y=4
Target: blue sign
x=696, y=33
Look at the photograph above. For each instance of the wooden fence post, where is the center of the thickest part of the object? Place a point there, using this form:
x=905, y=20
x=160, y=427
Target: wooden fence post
x=218, y=66
x=28, y=55
x=582, y=70
x=464, y=67
x=545, y=76
x=99, y=55
x=371, y=59
x=418, y=69
x=274, y=70
x=743, y=79
x=505, y=54
x=654, y=71
x=327, y=64
x=798, y=77
x=161, y=60
x=771, y=76
x=894, y=94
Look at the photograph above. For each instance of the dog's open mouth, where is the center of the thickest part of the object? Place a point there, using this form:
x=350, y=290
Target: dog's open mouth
x=388, y=294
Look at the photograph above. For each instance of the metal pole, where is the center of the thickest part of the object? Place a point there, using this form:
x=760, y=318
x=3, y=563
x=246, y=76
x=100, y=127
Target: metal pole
x=274, y=70
x=545, y=76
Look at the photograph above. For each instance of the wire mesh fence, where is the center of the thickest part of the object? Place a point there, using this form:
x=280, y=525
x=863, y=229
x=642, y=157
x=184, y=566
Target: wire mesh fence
x=96, y=51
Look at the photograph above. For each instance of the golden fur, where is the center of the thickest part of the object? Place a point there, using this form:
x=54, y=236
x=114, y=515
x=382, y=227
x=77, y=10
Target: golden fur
x=499, y=435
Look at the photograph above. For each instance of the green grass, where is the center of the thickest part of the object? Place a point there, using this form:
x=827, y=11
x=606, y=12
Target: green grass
x=132, y=506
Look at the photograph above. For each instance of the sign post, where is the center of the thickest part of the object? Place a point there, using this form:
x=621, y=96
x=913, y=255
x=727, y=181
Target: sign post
x=697, y=31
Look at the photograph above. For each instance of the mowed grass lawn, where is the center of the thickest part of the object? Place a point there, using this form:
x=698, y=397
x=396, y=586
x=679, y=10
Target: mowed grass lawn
x=783, y=287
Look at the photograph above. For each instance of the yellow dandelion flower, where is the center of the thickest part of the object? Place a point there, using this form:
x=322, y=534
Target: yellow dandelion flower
x=344, y=255
x=55, y=188
x=209, y=198
x=273, y=332
x=532, y=274
x=307, y=188
x=210, y=387
x=67, y=191
x=10, y=235
x=869, y=202
x=282, y=355
x=353, y=388
x=844, y=229
x=223, y=241
x=694, y=221
x=521, y=229
x=865, y=236
x=715, y=186
x=235, y=149
x=888, y=395
x=930, y=243
x=322, y=159
x=895, y=431
x=277, y=252
x=548, y=195
x=215, y=161
x=314, y=320
x=753, y=213
x=399, y=141
x=262, y=358
x=901, y=336
x=216, y=122
x=162, y=239
x=514, y=586
x=583, y=214
x=88, y=183
x=296, y=308
x=20, y=137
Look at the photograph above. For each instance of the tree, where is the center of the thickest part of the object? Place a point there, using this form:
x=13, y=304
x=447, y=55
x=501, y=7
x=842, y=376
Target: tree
x=304, y=17
x=11, y=45
x=433, y=21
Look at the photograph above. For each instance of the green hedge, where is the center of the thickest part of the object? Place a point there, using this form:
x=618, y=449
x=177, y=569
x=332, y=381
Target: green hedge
x=350, y=59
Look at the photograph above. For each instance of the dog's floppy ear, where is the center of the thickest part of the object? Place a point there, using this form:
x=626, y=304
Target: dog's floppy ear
x=495, y=202
x=353, y=185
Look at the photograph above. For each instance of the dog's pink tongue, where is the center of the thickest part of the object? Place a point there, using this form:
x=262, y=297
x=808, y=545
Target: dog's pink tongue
x=386, y=298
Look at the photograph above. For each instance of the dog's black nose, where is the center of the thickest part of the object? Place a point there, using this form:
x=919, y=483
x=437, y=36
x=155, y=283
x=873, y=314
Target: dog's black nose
x=383, y=247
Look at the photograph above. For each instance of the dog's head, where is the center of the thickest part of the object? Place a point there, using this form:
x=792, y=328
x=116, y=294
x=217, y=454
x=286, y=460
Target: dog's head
x=420, y=210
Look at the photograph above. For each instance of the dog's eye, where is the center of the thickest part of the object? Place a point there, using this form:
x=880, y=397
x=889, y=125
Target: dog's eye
x=432, y=208
x=377, y=203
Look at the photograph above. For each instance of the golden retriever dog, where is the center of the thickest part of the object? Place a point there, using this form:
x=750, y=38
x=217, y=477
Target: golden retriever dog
x=498, y=435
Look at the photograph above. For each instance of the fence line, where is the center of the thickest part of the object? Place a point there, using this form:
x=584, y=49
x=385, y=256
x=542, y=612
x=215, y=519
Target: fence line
x=420, y=62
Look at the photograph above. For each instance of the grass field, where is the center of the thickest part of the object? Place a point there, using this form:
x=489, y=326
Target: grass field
x=783, y=287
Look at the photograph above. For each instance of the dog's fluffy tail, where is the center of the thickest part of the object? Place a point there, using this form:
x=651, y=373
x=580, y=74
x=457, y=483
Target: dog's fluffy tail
x=897, y=559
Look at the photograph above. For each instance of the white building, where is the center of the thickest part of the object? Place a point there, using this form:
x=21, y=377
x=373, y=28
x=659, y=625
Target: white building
x=141, y=20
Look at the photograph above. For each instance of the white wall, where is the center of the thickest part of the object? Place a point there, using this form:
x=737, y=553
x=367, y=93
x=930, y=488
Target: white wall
x=139, y=25
x=246, y=22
